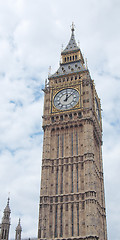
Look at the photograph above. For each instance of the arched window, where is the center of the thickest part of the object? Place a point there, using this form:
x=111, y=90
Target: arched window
x=2, y=233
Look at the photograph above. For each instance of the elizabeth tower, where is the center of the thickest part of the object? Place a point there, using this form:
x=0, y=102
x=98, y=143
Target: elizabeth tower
x=72, y=204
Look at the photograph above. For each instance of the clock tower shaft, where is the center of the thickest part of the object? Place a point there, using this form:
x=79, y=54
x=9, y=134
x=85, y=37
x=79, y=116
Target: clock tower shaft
x=72, y=204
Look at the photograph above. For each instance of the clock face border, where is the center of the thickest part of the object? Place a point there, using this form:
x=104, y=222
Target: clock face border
x=54, y=93
x=66, y=99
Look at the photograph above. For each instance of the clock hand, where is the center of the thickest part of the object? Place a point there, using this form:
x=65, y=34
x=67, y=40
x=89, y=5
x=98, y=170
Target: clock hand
x=66, y=98
x=69, y=96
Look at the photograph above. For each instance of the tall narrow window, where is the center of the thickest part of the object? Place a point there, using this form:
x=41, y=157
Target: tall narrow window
x=72, y=221
x=56, y=221
x=57, y=181
x=58, y=146
x=77, y=177
x=62, y=145
x=61, y=221
x=62, y=179
x=72, y=144
x=72, y=178
x=76, y=143
x=2, y=233
x=78, y=219
x=5, y=234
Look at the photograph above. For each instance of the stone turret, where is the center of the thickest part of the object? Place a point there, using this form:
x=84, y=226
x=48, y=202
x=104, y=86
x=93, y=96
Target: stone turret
x=5, y=225
x=18, y=231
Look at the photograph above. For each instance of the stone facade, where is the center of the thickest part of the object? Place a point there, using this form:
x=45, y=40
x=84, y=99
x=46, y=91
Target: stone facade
x=72, y=204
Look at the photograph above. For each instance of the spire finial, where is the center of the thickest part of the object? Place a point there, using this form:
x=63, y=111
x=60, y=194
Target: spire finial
x=8, y=201
x=73, y=27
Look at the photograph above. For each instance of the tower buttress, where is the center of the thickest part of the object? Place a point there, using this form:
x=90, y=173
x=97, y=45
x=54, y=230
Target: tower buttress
x=5, y=225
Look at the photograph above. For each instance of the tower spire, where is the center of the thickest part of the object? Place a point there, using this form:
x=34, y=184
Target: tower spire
x=5, y=225
x=18, y=231
x=71, y=55
x=72, y=45
x=8, y=201
x=73, y=27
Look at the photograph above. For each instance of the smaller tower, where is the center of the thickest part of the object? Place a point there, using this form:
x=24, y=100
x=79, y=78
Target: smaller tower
x=18, y=231
x=5, y=225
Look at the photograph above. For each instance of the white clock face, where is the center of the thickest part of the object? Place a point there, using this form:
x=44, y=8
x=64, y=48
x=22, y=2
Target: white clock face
x=66, y=99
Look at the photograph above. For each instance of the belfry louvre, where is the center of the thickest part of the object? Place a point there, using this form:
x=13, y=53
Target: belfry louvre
x=72, y=204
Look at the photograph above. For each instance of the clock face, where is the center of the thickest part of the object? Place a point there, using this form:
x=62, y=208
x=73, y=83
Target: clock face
x=66, y=99
x=97, y=109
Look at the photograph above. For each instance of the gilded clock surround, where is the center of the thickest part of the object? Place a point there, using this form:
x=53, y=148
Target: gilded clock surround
x=55, y=91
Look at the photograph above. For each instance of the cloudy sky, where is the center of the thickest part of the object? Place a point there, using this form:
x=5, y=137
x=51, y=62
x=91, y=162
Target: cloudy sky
x=31, y=35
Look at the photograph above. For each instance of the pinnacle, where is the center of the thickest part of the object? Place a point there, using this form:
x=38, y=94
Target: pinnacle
x=7, y=208
x=72, y=45
x=19, y=228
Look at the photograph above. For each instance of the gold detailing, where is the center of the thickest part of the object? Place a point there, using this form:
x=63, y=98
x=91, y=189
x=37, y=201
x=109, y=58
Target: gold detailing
x=57, y=90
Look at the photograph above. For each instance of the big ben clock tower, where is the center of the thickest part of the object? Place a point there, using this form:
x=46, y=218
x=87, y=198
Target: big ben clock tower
x=72, y=204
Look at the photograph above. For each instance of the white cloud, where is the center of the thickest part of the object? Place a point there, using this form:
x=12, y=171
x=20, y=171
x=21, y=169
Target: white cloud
x=31, y=35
